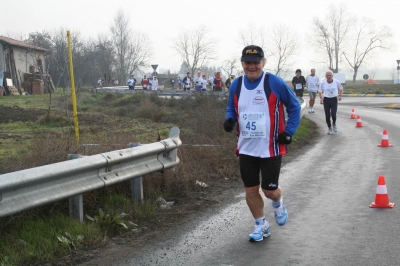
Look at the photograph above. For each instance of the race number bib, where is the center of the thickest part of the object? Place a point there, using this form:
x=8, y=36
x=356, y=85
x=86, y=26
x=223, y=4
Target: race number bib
x=312, y=85
x=298, y=86
x=330, y=92
x=253, y=125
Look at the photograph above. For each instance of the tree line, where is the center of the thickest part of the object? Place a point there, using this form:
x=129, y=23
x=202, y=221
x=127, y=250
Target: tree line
x=115, y=54
x=340, y=40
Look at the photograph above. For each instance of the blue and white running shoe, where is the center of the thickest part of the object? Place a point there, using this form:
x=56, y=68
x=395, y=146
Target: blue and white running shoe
x=260, y=232
x=281, y=215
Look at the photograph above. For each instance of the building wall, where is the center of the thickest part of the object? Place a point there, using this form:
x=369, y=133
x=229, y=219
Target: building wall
x=25, y=58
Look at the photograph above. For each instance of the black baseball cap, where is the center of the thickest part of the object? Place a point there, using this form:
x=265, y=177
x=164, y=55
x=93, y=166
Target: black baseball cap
x=252, y=53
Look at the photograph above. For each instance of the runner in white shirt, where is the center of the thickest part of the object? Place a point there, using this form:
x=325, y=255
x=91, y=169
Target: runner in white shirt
x=154, y=83
x=204, y=83
x=331, y=90
x=312, y=83
x=198, y=82
x=211, y=81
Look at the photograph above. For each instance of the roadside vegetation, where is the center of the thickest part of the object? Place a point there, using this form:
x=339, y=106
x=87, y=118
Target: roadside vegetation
x=371, y=88
x=32, y=136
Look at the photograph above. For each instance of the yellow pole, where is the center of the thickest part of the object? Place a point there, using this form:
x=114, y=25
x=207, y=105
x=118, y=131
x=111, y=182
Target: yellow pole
x=71, y=73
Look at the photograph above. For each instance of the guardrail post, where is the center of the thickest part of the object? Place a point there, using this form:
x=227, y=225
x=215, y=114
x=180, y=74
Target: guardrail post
x=137, y=182
x=76, y=202
x=174, y=153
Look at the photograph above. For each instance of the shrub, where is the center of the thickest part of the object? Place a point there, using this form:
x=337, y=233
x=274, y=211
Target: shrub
x=55, y=120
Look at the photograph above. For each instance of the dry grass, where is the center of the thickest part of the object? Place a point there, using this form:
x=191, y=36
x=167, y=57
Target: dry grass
x=113, y=121
x=200, y=119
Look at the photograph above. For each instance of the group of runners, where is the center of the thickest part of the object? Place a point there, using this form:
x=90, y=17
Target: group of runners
x=200, y=82
x=329, y=91
x=147, y=83
x=256, y=110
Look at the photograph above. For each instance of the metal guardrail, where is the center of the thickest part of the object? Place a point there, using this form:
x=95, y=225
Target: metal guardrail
x=30, y=188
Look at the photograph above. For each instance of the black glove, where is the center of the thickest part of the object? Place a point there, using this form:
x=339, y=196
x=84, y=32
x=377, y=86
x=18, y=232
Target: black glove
x=284, y=138
x=229, y=124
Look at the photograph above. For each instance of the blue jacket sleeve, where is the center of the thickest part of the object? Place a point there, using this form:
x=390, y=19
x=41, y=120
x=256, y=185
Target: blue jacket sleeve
x=289, y=100
x=230, y=110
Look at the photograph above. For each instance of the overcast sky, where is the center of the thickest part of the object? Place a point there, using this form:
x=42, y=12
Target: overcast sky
x=163, y=20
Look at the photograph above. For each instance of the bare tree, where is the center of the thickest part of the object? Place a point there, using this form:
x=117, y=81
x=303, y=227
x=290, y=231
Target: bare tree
x=254, y=35
x=230, y=66
x=58, y=60
x=284, y=46
x=280, y=47
x=104, y=56
x=365, y=40
x=195, y=48
x=139, y=52
x=330, y=34
x=121, y=34
x=40, y=39
x=132, y=48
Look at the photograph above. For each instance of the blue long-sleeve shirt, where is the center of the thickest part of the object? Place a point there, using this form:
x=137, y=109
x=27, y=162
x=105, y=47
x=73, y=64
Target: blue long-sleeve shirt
x=281, y=91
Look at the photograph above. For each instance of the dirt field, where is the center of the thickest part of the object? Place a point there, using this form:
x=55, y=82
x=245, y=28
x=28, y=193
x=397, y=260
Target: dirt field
x=17, y=114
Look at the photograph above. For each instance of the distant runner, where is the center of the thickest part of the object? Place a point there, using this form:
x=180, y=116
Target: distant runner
x=330, y=91
x=312, y=84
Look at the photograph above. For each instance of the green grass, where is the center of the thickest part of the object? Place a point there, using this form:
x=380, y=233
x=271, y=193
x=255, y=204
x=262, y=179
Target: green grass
x=40, y=101
x=350, y=88
x=372, y=89
x=32, y=241
x=17, y=137
x=122, y=203
x=305, y=129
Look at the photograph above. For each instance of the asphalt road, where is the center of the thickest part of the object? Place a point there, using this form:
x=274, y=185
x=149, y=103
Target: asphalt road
x=327, y=191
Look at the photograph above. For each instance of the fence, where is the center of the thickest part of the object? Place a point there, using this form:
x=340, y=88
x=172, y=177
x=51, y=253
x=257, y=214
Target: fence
x=30, y=188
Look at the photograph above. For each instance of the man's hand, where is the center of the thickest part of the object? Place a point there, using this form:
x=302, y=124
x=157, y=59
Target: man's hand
x=284, y=138
x=229, y=124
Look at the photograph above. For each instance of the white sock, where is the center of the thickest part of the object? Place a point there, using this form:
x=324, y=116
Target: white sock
x=277, y=204
x=260, y=221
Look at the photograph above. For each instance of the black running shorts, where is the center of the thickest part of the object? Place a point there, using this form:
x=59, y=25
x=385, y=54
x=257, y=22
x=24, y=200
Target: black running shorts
x=250, y=168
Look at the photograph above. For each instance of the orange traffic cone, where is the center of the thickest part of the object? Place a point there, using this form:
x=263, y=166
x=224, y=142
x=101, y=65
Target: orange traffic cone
x=359, y=124
x=382, y=197
x=385, y=140
x=353, y=114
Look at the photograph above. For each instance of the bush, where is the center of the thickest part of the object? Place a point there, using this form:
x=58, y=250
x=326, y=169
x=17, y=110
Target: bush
x=55, y=120
x=149, y=110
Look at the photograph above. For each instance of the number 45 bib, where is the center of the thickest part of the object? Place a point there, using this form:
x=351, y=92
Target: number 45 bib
x=253, y=125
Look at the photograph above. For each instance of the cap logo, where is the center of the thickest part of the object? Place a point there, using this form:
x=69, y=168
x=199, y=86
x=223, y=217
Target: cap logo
x=251, y=51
